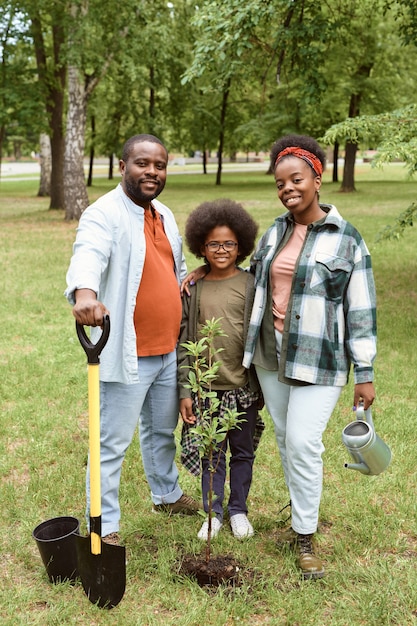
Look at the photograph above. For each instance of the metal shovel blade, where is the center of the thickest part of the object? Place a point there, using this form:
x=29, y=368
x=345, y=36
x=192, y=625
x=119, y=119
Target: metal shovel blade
x=103, y=575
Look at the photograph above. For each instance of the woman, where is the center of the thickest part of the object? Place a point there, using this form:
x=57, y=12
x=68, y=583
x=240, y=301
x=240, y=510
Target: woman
x=314, y=316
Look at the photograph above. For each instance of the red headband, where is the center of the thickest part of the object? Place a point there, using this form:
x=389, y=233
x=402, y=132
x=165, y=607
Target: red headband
x=307, y=156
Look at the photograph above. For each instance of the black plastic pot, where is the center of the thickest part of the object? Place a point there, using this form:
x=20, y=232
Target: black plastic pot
x=55, y=539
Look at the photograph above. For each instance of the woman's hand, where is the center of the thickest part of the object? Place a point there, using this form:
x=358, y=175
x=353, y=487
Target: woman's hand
x=186, y=410
x=192, y=278
x=364, y=392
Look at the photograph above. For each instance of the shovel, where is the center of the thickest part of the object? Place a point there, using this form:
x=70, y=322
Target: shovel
x=101, y=566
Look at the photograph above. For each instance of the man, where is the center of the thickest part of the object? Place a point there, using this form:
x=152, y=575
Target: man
x=128, y=263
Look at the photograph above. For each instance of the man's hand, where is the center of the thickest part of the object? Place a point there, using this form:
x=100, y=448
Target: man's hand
x=87, y=310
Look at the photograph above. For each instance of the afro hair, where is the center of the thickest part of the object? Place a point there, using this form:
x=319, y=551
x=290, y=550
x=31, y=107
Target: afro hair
x=222, y=212
x=297, y=141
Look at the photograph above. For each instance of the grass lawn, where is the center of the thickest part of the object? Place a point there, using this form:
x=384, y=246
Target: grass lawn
x=368, y=530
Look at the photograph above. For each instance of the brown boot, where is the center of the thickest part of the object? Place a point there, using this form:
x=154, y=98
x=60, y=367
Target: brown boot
x=185, y=505
x=310, y=564
x=112, y=539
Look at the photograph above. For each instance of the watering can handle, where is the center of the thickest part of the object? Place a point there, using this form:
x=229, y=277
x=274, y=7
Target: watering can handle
x=92, y=350
x=365, y=416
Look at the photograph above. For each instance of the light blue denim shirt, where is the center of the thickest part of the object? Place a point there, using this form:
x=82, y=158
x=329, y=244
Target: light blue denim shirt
x=108, y=257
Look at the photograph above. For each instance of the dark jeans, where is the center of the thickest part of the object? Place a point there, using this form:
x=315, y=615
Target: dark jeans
x=240, y=441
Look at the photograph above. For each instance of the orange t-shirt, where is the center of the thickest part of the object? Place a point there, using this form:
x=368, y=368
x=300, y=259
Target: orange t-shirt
x=158, y=311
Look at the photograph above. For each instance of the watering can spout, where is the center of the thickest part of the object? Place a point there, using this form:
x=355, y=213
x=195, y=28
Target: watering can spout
x=360, y=467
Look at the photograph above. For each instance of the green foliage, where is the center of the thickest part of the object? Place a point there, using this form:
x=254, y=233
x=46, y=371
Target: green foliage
x=394, y=134
x=163, y=67
x=142, y=92
x=223, y=38
x=403, y=221
x=405, y=12
x=210, y=430
x=20, y=104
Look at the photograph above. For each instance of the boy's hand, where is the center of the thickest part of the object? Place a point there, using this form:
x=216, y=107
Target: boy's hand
x=186, y=410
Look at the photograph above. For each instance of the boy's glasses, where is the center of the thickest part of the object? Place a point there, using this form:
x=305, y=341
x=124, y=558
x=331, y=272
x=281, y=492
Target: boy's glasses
x=214, y=246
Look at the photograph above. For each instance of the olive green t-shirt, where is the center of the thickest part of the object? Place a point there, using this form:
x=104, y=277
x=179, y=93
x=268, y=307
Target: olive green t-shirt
x=226, y=299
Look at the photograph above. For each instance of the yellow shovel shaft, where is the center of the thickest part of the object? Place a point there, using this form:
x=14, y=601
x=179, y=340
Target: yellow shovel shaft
x=94, y=440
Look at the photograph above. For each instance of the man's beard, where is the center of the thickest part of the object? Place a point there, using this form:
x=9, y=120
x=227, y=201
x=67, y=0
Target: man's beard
x=134, y=191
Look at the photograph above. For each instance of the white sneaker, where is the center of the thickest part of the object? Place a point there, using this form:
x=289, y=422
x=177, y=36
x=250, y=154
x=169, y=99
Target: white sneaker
x=241, y=526
x=215, y=527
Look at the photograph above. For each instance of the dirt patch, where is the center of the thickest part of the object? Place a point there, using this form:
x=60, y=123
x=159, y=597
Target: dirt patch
x=217, y=571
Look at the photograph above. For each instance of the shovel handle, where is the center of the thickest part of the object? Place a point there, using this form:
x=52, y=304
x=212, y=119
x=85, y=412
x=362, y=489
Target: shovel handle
x=93, y=350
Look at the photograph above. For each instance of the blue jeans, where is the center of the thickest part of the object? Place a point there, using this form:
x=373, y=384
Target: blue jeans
x=151, y=404
x=300, y=416
x=242, y=456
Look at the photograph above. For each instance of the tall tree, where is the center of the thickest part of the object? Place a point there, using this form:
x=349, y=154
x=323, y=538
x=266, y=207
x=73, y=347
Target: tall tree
x=358, y=32
x=92, y=49
x=390, y=84
x=141, y=42
x=49, y=32
x=323, y=58
x=149, y=78
x=221, y=57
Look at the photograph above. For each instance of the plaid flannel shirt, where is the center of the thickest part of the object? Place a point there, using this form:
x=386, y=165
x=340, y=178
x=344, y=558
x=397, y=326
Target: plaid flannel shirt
x=331, y=316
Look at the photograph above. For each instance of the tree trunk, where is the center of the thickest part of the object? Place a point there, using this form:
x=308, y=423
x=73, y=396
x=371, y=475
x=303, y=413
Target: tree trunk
x=57, y=152
x=54, y=88
x=152, y=98
x=75, y=190
x=17, y=150
x=204, y=161
x=281, y=56
x=80, y=87
x=335, y=177
x=348, y=182
x=93, y=138
x=2, y=134
x=46, y=165
x=110, y=176
x=221, y=137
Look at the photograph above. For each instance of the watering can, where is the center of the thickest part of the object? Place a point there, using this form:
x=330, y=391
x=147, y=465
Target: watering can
x=370, y=454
